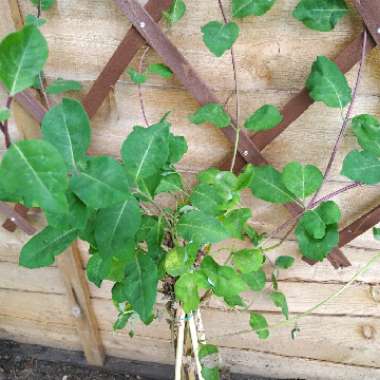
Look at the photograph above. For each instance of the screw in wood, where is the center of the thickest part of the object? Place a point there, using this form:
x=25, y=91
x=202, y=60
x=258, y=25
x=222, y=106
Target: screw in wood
x=76, y=311
x=142, y=24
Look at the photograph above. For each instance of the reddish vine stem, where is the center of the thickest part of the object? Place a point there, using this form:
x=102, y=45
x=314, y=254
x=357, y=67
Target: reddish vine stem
x=236, y=91
x=4, y=125
x=141, y=98
x=346, y=120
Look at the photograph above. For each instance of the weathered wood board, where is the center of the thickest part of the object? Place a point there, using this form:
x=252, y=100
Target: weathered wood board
x=339, y=341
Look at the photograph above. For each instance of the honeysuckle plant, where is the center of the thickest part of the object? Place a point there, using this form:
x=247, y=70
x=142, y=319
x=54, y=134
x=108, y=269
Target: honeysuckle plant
x=145, y=248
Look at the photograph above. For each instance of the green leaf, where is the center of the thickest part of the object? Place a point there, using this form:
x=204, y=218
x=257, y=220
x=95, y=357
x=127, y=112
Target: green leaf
x=160, y=69
x=45, y=4
x=210, y=373
x=177, y=148
x=327, y=84
x=171, y=182
x=224, y=280
x=180, y=259
x=116, y=227
x=259, y=324
x=284, y=262
x=267, y=185
x=22, y=56
x=376, y=233
x=266, y=117
x=208, y=199
x=367, y=131
x=245, y=178
x=279, y=300
x=140, y=285
x=146, y=151
x=67, y=127
x=207, y=350
x=245, y=8
x=5, y=114
x=255, y=280
x=320, y=15
x=97, y=269
x=187, y=290
x=248, y=260
x=35, y=173
x=123, y=318
x=329, y=212
x=35, y=21
x=102, y=184
x=302, y=181
x=234, y=222
x=60, y=86
x=42, y=249
x=220, y=37
x=362, y=167
x=176, y=11
x=211, y=113
x=136, y=77
x=201, y=228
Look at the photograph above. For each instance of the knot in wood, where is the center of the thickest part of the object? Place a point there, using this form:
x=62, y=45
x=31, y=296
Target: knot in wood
x=375, y=293
x=76, y=311
x=368, y=332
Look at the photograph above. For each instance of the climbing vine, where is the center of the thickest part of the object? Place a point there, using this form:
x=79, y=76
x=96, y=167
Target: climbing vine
x=135, y=242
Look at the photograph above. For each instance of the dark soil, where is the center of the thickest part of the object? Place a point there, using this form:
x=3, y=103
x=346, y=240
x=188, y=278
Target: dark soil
x=32, y=362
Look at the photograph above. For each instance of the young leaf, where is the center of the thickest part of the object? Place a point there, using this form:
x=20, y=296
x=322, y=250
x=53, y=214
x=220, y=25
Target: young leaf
x=5, y=114
x=279, y=300
x=245, y=178
x=102, y=184
x=320, y=15
x=234, y=222
x=376, y=233
x=326, y=83
x=367, y=131
x=207, y=350
x=160, y=69
x=255, y=280
x=187, y=290
x=60, y=86
x=245, y=8
x=97, y=269
x=35, y=173
x=146, y=151
x=22, y=57
x=136, y=77
x=284, y=262
x=180, y=260
x=42, y=249
x=201, y=228
x=176, y=11
x=267, y=185
x=248, y=260
x=209, y=199
x=302, y=181
x=171, y=182
x=45, y=4
x=35, y=21
x=117, y=226
x=266, y=117
x=140, y=285
x=211, y=113
x=259, y=324
x=362, y=167
x=220, y=37
x=67, y=127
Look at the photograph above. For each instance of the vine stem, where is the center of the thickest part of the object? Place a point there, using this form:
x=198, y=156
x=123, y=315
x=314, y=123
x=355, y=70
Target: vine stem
x=236, y=91
x=346, y=120
x=312, y=309
x=4, y=126
x=141, y=98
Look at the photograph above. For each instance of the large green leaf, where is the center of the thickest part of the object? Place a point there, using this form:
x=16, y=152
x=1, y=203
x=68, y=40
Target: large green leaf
x=266, y=117
x=117, y=226
x=171, y=182
x=211, y=113
x=362, y=167
x=235, y=222
x=201, y=228
x=327, y=84
x=267, y=185
x=187, y=290
x=22, y=57
x=220, y=37
x=102, y=184
x=67, y=127
x=140, y=285
x=42, y=249
x=302, y=181
x=320, y=15
x=244, y=8
x=177, y=148
x=35, y=173
x=367, y=131
x=248, y=260
x=146, y=151
x=255, y=280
